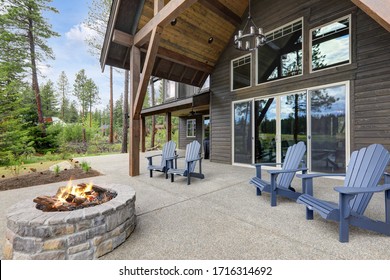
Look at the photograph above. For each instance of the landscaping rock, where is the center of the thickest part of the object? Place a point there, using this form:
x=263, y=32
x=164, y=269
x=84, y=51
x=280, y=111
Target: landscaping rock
x=63, y=165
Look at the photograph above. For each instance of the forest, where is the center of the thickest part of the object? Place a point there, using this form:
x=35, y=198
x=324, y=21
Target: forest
x=57, y=119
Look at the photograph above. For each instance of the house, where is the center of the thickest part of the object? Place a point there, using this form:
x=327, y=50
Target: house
x=321, y=74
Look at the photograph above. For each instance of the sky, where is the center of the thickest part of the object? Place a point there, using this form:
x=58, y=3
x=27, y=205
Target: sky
x=71, y=51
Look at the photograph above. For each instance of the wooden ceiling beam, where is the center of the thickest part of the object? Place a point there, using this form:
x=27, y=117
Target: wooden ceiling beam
x=378, y=10
x=122, y=38
x=222, y=11
x=147, y=71
x=194, y=76
x=182, y=60
x=172, y=10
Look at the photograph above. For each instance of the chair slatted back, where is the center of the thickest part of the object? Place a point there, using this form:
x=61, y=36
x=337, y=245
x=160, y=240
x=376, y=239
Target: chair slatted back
x=168, y=151
x=292, y=160
x=365, y=169
x=192, y=152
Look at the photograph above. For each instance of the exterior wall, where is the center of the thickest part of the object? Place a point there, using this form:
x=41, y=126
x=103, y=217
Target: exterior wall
x=185, y=91
x=369, y=73
x=372, y=84
x=183, y=139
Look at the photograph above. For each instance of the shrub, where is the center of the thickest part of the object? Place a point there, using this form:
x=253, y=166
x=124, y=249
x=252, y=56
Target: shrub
x=85, y=166
x=57, y=170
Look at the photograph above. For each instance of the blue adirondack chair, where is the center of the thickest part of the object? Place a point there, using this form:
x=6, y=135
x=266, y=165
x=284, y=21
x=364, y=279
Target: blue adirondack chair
x=364, y=172
x=168, y=151
x=191, y=157
x=280, y=183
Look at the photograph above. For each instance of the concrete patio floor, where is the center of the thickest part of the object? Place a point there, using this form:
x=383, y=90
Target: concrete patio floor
x=220, y=217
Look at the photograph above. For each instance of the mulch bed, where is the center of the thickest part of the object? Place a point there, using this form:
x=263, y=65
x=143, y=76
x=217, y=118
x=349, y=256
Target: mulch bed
x=45, y=177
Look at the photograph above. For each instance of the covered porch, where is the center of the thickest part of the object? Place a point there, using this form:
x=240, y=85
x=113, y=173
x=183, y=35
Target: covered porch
x=178, y=40
x=221, y=218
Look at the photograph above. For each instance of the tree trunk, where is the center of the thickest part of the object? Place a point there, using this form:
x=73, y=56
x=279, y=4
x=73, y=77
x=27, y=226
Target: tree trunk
x=111, y=141
x=35, y=85
x=90, y=113
x=63, y=105
x=125, y=112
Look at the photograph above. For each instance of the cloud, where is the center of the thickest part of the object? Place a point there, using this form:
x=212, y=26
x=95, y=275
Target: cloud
x=79, y=32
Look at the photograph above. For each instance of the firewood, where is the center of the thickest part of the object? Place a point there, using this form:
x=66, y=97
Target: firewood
x=70, y=197
x=98, y=189
x=78, y=200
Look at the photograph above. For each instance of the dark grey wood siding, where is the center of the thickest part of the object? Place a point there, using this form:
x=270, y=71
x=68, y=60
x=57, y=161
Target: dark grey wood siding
x=368, y=73
x=183, y=139
x=372, y=85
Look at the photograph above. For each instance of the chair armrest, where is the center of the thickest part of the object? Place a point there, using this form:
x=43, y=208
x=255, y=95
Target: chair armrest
x=195, y=159
x=352, y=190
x=286, y=171
x=170, y=158
x=309, y=176
x=267, y=164
x=153, y=156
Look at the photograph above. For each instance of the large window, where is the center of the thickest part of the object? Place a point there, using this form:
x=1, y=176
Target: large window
x=170, y=90
x=281, y=56
x=191, y=127
x=330, y=44
x=241, y=72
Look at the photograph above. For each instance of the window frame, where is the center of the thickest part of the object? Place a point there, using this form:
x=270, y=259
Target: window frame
x=303, y=53
x=231, y=71
x=166, y=89
x=349, y=17
x=193, y=129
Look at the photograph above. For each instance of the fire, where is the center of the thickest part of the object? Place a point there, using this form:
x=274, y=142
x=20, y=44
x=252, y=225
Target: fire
x=83, y=191
x=73, y=197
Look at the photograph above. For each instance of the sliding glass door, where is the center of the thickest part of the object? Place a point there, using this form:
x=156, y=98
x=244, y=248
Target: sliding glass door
x=265, y=128
x=242, y=131
x=328, y=129
x=293, y=124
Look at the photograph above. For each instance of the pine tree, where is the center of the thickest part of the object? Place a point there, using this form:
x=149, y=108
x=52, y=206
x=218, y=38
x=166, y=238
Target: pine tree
x=118, y=112
x=23, y=18
x=14, y=133
x=73, y=116
x=98, y=14
x=49, y=100
x=86, y=92
x=63, y=90
x=92, y=96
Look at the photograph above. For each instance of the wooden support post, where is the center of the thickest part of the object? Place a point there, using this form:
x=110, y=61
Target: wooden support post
x=143, y=134
x=135, y=76
x=168, y=123
x=147, y=71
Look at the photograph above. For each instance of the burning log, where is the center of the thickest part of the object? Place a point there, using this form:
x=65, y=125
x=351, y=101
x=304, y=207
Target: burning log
x=72, y=198
x=79, y=200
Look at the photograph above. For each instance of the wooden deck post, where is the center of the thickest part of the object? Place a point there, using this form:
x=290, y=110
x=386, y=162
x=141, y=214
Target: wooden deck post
x=135, y=76
x=168, y=122
x=143, y=134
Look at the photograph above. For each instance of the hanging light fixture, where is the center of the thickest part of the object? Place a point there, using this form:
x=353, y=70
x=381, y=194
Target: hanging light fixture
x=250, y=37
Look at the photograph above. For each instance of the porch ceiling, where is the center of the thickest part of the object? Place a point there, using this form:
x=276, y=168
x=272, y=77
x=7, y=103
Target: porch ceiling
x=185, y=53
x=197, y=104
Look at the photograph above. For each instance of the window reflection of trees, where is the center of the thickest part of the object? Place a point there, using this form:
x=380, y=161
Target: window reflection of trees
x=243, y=132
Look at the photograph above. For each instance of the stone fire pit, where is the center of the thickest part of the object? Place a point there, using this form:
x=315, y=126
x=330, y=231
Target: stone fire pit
x=82, y=234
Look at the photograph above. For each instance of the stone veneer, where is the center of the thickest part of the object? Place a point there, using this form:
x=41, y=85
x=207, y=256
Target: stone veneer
x=82, y=234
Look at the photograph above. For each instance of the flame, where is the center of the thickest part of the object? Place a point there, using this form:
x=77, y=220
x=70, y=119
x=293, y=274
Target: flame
x=75, y=190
